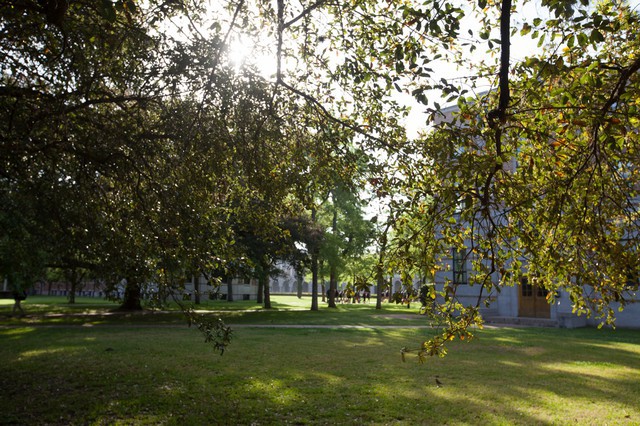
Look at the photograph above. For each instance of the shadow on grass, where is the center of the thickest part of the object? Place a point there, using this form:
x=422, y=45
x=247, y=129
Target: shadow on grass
x=287, y=310
x=314, y=376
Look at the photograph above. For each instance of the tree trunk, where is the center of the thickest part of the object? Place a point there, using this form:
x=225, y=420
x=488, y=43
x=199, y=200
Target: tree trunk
x=333, y=270
x=74, y=280
x=196, y=287
x=380, y=284
x=132, y=296
x=229, y=289
x=314, y=282
x=299, y=285
x=333, y=287
x=267, y=295
x=260, y=291
x=72, y=276
x=380, y=265
x=314, y=268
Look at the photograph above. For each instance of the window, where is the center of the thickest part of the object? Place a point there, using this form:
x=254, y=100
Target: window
x=529, y=289
x=459, y=266
x=525, y=287
x=542, y=292
x=633, y=278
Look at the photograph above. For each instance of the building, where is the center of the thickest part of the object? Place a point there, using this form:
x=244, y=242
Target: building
x=524, y=301
x=240, y=289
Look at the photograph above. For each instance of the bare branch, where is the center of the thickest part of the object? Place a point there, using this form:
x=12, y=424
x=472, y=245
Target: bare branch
x=330, y=116
x=304, y=13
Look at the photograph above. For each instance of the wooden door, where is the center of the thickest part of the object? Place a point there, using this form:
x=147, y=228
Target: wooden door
x=532, y=301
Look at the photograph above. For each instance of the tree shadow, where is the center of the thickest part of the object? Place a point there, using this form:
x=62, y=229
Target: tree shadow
x=317, y=376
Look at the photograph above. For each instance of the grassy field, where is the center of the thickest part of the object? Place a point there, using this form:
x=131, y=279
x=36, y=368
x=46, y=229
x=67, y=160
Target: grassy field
x=287, y=310
x=114, y=370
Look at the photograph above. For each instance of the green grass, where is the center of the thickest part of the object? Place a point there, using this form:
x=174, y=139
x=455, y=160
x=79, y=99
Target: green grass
x=286, y=310
x=132, y=373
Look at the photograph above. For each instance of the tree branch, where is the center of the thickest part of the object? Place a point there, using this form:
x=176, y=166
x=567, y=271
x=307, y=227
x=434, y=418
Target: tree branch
x=304, y=13
x=498, y=116
x=621, y=85
x=330, y=116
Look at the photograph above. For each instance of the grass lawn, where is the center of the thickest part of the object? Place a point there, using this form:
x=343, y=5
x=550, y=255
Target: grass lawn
x=116, y=372
x=287, y=310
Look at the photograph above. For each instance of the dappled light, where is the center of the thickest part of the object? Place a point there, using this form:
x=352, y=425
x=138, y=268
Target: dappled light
x=16, y=333
x=315, y=212
x=167, y=155
x=38, y=353
x=277, y=392
x=321, y=375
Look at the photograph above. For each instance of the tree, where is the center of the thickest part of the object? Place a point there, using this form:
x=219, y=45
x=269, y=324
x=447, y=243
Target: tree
x=535, y=175
x=71, y=103
x=379, y=267
x=22, y=259
x=543, y=184
x=314, y=252
x=305, y=237
x=264, y=244
x=359, y=271
x=137, y=174
x=142, y=136
x=348, y=234
x=143, y=155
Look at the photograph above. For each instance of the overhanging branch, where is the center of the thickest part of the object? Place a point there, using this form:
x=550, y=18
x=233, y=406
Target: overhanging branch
x=304, y=13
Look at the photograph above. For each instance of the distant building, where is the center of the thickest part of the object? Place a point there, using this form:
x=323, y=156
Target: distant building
x=241, y=289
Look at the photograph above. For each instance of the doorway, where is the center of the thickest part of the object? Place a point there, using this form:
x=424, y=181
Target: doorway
x=532, y=300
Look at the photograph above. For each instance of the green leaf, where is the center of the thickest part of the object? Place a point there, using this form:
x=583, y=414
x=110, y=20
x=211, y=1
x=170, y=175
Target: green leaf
x=571, y=40
x=130, y=5
x=108, y=10
x=434, y=27
x=596, y=36
x=541, y=41
x=583, y=40
x=399, y=54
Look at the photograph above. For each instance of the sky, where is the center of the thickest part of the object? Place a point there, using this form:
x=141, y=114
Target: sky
x=243, y=50
x=521, y=47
